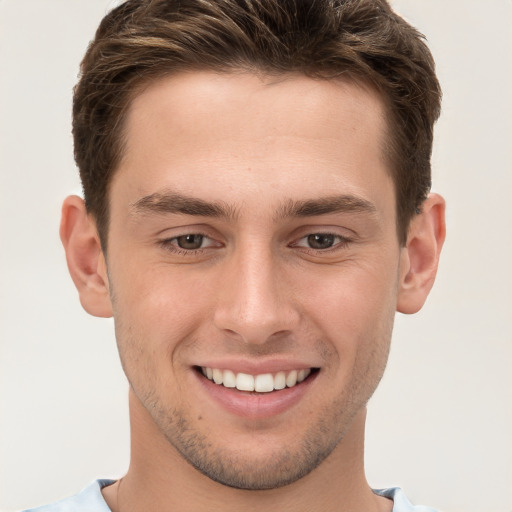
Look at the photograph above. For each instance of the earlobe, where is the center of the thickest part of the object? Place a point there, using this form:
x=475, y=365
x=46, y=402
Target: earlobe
x=85, y=258
x=420, y=257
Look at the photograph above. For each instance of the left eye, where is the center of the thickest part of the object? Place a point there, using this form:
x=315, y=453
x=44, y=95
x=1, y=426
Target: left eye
x=319, y=241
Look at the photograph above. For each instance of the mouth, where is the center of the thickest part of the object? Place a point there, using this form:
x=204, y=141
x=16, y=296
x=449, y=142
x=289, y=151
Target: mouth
x=260, y=383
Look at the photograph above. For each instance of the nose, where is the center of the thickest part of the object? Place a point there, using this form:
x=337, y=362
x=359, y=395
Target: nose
x=255, y=303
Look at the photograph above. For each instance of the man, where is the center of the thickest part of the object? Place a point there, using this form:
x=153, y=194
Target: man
x=256, y=177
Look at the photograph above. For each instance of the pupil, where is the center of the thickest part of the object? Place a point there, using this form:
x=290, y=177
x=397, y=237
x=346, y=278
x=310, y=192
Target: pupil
x=190, y=241
x=320, y=241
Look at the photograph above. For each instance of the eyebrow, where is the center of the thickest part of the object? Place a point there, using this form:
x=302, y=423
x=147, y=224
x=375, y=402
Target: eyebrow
x=326, y=206
x=170, y=202
x=174, y=203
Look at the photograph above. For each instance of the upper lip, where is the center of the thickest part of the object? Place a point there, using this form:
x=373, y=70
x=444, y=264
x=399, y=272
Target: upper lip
x=252, y=367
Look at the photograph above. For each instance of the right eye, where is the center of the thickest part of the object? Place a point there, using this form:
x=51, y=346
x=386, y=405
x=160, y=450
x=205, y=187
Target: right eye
x=189, y=243
x=321, y=240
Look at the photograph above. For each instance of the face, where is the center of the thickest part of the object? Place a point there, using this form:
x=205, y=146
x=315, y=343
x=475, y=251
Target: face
x=253, y=267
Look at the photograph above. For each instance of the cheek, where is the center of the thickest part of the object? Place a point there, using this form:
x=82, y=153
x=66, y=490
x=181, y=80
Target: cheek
x=359, y=323
x=156, y=315
x=354, y=307
x=160, y=300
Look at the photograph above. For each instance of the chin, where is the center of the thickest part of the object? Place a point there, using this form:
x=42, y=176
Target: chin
x=239, y=472
x=260, y=462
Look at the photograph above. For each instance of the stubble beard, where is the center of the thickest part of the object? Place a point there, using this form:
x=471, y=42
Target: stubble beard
x=232, y=468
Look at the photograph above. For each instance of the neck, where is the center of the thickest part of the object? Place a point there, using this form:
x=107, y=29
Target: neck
x=160, y=479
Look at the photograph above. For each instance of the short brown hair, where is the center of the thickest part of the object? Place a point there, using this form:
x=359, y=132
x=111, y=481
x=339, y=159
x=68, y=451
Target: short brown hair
x=362, y=40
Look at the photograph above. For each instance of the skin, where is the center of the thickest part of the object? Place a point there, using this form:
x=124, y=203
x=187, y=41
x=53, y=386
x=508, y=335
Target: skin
x=258, y=152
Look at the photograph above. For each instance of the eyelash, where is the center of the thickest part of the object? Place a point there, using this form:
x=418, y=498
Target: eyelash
x=170, y=244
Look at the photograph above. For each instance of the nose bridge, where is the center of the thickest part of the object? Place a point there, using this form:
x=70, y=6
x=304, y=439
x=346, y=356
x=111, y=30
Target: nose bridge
x=253, y=303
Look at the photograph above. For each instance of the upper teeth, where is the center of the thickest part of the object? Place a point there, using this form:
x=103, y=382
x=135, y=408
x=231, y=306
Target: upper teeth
x=262, y=383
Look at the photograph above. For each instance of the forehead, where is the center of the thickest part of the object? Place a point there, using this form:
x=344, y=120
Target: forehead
x=250, y=105
x=289, y=136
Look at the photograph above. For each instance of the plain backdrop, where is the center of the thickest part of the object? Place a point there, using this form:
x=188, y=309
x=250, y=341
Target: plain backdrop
x=440, y=425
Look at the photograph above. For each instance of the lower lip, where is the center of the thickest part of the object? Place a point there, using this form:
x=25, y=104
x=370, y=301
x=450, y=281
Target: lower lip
x=256, y=405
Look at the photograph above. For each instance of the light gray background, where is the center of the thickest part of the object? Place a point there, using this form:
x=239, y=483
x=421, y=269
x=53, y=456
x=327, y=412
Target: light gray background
x=440, y=425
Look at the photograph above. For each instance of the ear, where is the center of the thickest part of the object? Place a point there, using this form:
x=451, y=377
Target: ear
x=85, y=258
x=420, y=257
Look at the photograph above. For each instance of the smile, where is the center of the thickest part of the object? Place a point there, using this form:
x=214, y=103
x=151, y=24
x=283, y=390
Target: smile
x=261, y=383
